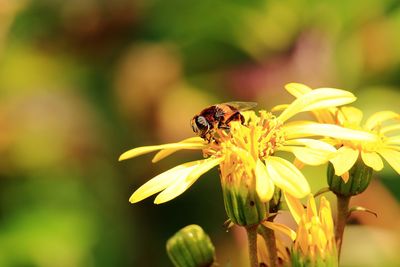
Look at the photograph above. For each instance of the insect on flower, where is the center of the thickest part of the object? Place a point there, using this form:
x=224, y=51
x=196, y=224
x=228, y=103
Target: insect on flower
x=218, y=117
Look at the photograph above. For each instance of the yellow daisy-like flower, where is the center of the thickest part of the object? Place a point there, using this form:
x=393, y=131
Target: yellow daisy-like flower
x=250, y=149
x=385, y=125
x=315, y=238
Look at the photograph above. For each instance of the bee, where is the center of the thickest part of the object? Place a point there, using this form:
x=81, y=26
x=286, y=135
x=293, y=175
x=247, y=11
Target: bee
x=218, y=117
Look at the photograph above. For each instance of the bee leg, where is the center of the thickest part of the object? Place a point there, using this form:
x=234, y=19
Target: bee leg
x=224, y=127
x=235, y=117
x=242, y=121
x=208, y=137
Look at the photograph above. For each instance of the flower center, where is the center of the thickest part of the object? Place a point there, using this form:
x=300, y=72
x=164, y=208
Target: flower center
x=259, y=136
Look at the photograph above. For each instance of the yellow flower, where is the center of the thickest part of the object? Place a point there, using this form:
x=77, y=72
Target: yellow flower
x=314, y=240
x=314, y=243
x=386, y=143
x=250, y=149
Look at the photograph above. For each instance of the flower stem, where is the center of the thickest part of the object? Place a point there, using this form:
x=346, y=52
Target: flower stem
x=342, y=214
x=269, y=237
x=252, y=239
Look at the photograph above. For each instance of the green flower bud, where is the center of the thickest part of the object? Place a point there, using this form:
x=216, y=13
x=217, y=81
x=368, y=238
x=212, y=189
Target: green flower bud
x=359, y=179
x=242, y=203
x=191, y=247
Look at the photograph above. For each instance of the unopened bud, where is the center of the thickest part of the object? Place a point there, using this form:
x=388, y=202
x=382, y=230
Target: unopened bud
x=359, y=179
x=191, y=247
x=242, y=203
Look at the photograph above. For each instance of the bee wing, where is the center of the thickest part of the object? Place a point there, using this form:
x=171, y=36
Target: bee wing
x=242, y=106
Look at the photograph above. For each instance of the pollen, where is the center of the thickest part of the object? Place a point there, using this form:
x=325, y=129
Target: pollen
x=260, y=135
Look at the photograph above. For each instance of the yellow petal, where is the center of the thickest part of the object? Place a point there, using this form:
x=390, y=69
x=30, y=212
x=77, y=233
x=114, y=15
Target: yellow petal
x=287, y=177
x=184, y=182
x=163, y=180
x=311, y=143
x=326, y=217
x=392, y=157
x=262, y=250
x=316, y=152
x=350, y=115
x=345, y=176
x=303, y=239
x=321, y=98
x=166, y=152
x=344, y=159
x=319, y=238
x=147, y=149
x=306, y=129
x=309, y=156
x=281, y=228
x=325, y=115
x=297, y=89
x=298, y=164
x=279, y=107
x=390, y=128
x=372, y=160
x=395, y=140
x=379, y=117
x=395, y=148
x=295, y=207
x=311, y=208
x=264, y=185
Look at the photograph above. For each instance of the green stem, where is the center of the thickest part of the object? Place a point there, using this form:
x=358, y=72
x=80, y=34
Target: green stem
x=342, y=214
x=252, y=239
x=269, y=237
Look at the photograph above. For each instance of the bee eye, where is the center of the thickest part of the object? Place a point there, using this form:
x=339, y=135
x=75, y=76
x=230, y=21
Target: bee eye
x=202, y=123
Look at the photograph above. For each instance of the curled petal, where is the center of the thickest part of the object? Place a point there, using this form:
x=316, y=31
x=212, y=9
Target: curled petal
x=295, y=207
x=392, y=157
x=297, y=89
x=319, y=238
x=281, y=228
x=321, y=98
x=183, y=182
x=307, y=128
x=344, y=159
x=380, y=117
x=166, y=152
x=326, y=216
x=322, y=115
x=279, y=107
x=311, y=208
x=264, y=185
x=373, y=160
x=287, y=177
x=147, y=149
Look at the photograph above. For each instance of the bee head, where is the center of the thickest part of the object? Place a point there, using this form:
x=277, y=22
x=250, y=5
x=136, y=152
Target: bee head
x=200, y=125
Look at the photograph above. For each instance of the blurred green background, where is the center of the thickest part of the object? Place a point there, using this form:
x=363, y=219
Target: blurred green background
x=83, y=81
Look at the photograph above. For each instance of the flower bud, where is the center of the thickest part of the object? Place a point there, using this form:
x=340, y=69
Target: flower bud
x=315, y=244
x=191, y=247
x=359, y=179
x=242, y=203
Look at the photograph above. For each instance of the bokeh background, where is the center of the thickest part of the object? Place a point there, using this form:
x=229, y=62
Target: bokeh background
x=83, y=81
